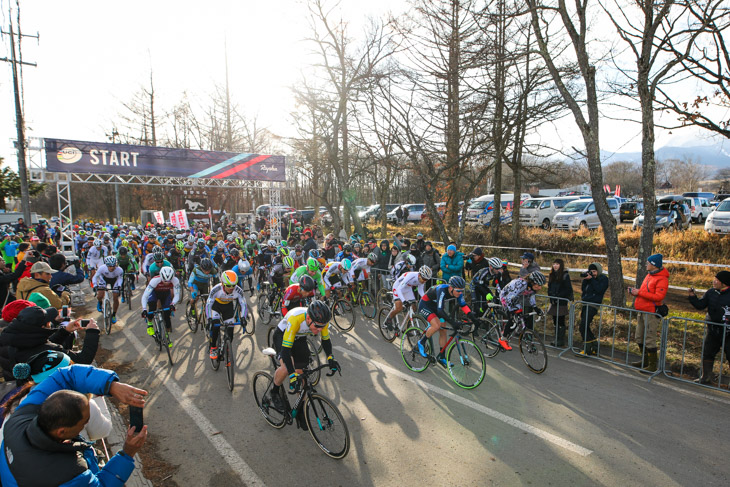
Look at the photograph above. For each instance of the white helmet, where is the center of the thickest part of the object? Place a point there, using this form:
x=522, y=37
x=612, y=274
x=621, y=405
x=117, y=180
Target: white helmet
x=253, y=236
x=235, y=234
x=220, y=244
x=244, y=266
x=167, y=273
x=271, y=243
x=411, y=260
x=495, y=263
x=425, y=272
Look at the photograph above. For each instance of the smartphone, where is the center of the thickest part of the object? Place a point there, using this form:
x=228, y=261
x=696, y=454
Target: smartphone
x=85, y=323
x=64, y=311
x=136, y=419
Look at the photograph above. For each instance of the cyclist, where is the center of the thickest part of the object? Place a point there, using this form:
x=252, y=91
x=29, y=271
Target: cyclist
x=108, y=274
x=251, y=247
x=403, y=290
x=431, y=307
x=197, y=254
x=95, y=257
x=166, y=289
x=360, y=268
x=149, y=259
x=298, y=256
x=220, y=309
x=80, y=240
x=514, y=298
x=403, y=266
x=481, y=292
x=290, y=342
x=346, y=253
x=295, y=293
x=126, y=263
x=200, y=277
x=159, y=263
x=335, y=274
x=311, y=270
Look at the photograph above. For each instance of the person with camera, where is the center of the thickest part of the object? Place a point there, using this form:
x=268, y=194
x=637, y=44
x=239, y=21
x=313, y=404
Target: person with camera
x=717, y=302
x=39, y=282
x=649, y=297
x=593, y=287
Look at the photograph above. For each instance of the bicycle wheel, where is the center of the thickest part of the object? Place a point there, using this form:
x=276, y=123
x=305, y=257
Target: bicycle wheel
x=411, y=356
x=465, y=363
x=262, y=383
x=367, y=305
x=159, y=330
x=128, y=293
x=388, y=334
x=229, y=361
x=343, y=315
x=250, y=322
x=216, y=362
x=107, y=315
x=191, y=317
x=419, y=322
x=317, y=343
x=384, y=299
x=327, y=426
x=489, y=339
x=533, y=351
x=264, y=310
x=270, y=337
x=314, y=362
x=166, y=344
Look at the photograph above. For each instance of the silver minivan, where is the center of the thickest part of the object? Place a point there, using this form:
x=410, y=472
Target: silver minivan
x=539, y=212
x=582, y=213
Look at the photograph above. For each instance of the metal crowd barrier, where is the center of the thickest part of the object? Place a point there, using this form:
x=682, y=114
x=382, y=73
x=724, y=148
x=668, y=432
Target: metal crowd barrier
x=682, y=359
x=560, y=306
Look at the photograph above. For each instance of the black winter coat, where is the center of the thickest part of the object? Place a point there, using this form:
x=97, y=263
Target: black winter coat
x=718, y=307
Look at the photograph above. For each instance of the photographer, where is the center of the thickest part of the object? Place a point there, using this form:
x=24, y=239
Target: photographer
x=593, y=288
x=41, y=274
x=62, y=278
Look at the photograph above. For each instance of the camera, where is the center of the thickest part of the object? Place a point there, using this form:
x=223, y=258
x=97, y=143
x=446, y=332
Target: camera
x=584, y=274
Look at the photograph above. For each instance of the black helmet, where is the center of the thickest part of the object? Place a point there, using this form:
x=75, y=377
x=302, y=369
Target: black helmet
x=537, y=278
x=206, y=265
x=319, y=312
x=347, y=248
x=234, y=252
x=122, y=250
x=306, y=283
x=457, y=282
x=158, y=256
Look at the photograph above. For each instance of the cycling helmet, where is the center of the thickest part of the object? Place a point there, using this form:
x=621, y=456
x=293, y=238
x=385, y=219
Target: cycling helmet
x=411, y=260
x=372, y=257
x=347, y=248
x=252, y=236
x=156, y=248
x=425, y=272
x=158, y=256
x=123, y=250
x=221, y=245
x=206, y=264
x=283, y=243
x=201, y=244
x=306, y=283
x=180, y=246
x=284, y=251
x=110, y=261
x=288, y=262
x=82, y=232
x=457, y=282
x=229, y=237
x=271, y=243
x=243, y=266
x=229, y=278
x=537, y=278
x=234, y=234
x=494, y=262
x=125, y=243
x=298, y=248
x=357, y=245
x=167, y=273
x=312, y=265
x=234, y=252
x=346, y=264
x=191, y=239
x=97, y=243
x=319, y=312
x=314, y=253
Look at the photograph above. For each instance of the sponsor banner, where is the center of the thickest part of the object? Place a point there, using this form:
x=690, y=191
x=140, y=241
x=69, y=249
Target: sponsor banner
x=101, y=158
x=159, y=217
x=179, y=219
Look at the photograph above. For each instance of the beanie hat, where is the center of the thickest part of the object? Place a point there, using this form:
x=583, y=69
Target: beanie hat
x=477, y=251
x=13, y=308
x=40, y=300
x=723, y=277
x=592, y=267
x=41, y=365
x=655, y=260
x=451, y=247
x=34, y=315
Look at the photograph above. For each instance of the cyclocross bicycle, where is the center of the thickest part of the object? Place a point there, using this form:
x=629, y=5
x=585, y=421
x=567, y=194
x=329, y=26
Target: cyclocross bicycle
x=312, y=411
x=358, y=295
x=407, y=318
x=127, y=287
x=267, y=310
x=195, y=311
x=314, y=360
x=343, y=313
x=161, y=337
x=107, y=309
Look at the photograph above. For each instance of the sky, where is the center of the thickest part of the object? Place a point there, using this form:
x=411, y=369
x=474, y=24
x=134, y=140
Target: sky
x=94, y=55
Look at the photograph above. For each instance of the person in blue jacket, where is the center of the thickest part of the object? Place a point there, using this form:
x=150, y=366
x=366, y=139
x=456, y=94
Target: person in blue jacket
x=452, y=263
x=42, y=446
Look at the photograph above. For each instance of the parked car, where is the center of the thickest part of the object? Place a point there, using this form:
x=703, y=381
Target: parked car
x=307, y=214
x=667, y=217
x=719, y=220
x=440, y=209
x=415, y=210
x=701, y=194
x=539, y=212
x=263, y=210
x=629, y=210
x=582, y=213
x=374, y=211
x=700, y=207
x=482, y=206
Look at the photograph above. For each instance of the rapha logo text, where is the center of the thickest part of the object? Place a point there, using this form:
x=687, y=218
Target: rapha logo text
x=266, y=168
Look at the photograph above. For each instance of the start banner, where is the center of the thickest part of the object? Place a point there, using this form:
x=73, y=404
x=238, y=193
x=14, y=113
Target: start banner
x=101, y=158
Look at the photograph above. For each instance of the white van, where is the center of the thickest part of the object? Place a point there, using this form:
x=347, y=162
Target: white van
x=582, y=213
x=481, y=208
x=539, y=212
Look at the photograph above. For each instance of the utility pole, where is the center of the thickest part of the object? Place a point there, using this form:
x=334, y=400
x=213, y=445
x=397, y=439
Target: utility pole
x=19, y=123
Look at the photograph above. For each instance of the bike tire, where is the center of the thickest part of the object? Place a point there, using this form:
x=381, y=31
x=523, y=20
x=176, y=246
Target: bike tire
x=411, y=356
x=465, y=363
x=388, y=335
x=216, y=362
x=191, y=319
x=384, y=299
x=107, y=316
x=158, y=333
x=533, y=351
x=367, y=305
x=262, y=303
x=314, y=362
x=327, y=426
x=128, y=294
x=250, y=322
x=228, y=358
x=166, y=344
x=488, y=338
x=262, y=383
x=419, y=322
x=343, y=314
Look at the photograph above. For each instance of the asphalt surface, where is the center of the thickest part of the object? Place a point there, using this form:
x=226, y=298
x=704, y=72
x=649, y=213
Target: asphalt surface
x=579, y=423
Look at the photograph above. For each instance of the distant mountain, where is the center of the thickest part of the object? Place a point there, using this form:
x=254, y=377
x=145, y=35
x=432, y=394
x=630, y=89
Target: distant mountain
x=716, y=155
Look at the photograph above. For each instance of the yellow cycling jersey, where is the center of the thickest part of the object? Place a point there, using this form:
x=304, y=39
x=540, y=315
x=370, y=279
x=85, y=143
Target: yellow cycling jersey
x=295, y=326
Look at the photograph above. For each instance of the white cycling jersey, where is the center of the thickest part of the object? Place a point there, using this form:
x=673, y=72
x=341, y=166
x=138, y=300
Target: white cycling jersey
x=147, y=262
x=335, y=269
x=95, y=256
x=219, y=295
x=157, y=284
x=403, y=287
x=104, y=275
x=361, y=265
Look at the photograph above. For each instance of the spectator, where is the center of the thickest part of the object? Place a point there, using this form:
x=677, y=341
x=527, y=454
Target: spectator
x=452, y=263
x=593, y=288
x=394, y=257
x=649, y=296
x=21, y=226
x=397, y=240
x=420, y=243
x=383, y=254
x=399, y=215
x=41, y=274
x=559, y=286
x=717, y=302
x=44, y=432
x=432, y=259
x=528, y=265
x=7, y=278
x=61, y=277
x=9, y=249
x=406, y=214
x=476, y=261
x=309, y=243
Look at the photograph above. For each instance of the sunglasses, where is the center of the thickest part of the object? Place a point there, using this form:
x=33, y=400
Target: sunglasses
x=318, y=325
x=458, y=291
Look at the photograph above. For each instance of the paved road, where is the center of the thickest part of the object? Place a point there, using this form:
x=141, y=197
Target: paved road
x=579, y=423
